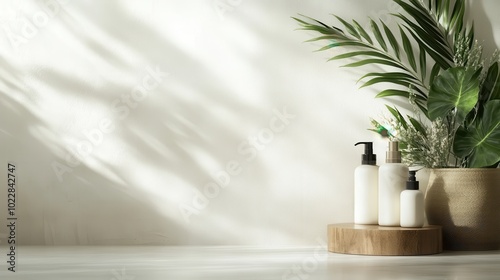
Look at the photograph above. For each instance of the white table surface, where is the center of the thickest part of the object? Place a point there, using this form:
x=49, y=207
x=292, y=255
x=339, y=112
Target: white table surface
x=239, y=263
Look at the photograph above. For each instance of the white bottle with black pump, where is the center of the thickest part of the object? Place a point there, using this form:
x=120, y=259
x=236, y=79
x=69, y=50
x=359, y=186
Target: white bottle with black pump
x=412, y=204
x=391, y=182
x=366, y=188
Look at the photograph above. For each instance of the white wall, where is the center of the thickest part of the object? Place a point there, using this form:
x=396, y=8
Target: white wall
x=201, y=83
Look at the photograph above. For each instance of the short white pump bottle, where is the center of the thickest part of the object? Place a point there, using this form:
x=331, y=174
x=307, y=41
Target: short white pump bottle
x=366, y=188
x=412, y=204
x=391, y=182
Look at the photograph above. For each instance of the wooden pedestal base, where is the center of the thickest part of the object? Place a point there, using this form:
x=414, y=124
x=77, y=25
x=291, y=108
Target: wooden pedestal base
x=384, y=241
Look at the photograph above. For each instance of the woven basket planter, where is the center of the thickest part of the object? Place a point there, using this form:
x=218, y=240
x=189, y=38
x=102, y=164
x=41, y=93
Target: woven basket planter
x=466, y=203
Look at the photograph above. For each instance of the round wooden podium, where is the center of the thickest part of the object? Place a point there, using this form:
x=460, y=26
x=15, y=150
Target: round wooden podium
x=384, y=241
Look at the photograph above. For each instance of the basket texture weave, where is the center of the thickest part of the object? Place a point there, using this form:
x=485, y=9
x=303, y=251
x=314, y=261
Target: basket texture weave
x=466, y=202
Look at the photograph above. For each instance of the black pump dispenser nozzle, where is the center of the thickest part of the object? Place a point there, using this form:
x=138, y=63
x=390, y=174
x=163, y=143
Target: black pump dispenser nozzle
x=368, y=157
x=412, y=183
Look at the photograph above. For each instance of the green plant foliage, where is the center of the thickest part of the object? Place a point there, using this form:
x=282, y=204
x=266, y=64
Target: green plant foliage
x=491, y=86
x=455, y=91
x=459, y=95
x=480, y=142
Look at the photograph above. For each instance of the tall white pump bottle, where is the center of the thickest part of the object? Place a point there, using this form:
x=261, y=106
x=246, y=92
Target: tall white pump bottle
x=366, y=188
x=391, y=182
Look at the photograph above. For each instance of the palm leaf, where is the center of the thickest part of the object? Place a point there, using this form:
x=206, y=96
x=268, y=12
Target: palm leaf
x=399, y=75
x=320, y=28
x=418, y=126
x=378, y=35
x=422, y=20
x=362, y=31
x=397, y=115
x=426, y=30
x=444, y=16
x=392, y=75
x=408, y=49
x=392, y=92
x=329, y=46
x=420, y=102
x=491, y=85
x=423, y=108
x=378, y=80
x=437, y=44
x=373, y=61
x=349, y=28
x=360, y=53
x=341, y=44
x=470, y=35
x=317, y=21
x=398, y=78
x=423, y=62
x=392, y=39
x=434, y=72
x=457, y=17
x=443, y=61
x=436, y=6
x=325, y=37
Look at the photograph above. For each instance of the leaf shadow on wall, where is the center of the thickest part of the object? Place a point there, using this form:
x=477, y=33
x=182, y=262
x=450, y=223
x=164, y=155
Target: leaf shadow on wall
x=128, y=196
x=483, y=30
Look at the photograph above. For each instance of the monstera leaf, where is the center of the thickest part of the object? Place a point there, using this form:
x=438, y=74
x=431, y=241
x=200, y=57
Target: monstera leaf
x=454, y=89
x=481, y=140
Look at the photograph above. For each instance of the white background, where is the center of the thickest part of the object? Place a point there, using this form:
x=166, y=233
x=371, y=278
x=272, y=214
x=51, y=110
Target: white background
x=226, y=68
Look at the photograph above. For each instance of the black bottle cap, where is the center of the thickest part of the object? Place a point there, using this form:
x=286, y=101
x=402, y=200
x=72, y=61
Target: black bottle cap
x=368, y=158
x=412, y=183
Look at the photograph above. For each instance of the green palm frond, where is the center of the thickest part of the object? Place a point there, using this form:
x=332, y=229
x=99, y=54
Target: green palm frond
x=425, y=33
